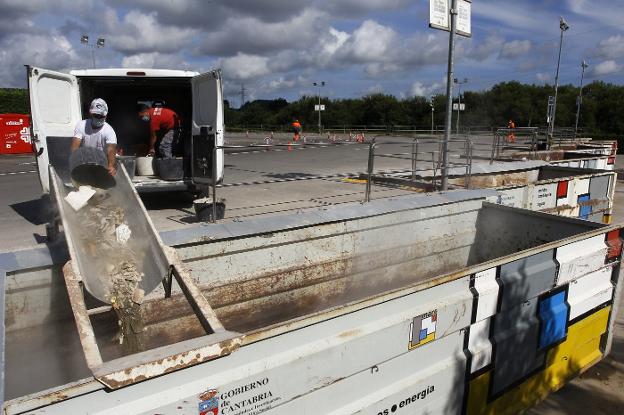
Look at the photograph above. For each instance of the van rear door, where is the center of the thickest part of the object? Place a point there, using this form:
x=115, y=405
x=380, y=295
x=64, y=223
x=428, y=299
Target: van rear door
x=207, y=128
x=55, y=111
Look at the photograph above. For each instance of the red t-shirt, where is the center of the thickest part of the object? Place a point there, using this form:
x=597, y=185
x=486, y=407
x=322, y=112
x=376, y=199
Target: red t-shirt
x=163, y=119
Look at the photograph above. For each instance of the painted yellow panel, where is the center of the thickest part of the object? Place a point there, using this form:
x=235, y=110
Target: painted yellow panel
x=430, y=337
x=564, y=362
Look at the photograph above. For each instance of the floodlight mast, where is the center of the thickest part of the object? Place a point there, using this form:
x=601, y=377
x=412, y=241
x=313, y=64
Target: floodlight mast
x=579, y=100
x=563, y=26
x=84, y=39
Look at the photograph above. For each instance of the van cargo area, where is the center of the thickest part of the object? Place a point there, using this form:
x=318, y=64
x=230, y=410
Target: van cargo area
x=60, y=100
x=122, y=94
x=266, y=281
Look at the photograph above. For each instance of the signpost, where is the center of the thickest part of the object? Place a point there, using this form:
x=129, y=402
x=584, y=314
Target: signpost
x=439, y=16
x=453, y=16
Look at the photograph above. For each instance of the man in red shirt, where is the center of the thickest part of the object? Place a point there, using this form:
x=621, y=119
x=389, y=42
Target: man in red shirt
x=164, y=126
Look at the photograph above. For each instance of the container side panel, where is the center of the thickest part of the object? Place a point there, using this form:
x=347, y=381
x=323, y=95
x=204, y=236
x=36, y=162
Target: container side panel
x=580, y=349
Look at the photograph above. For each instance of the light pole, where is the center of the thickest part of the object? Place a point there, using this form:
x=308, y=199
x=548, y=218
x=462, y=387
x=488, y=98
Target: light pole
x=319, y=85
x=84, y=39
x=579, y=100
x=432, y=111
x=459, y=84
x=563, y=25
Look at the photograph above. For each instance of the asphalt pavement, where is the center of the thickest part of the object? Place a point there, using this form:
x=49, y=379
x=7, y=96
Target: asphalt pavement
x=257, y=181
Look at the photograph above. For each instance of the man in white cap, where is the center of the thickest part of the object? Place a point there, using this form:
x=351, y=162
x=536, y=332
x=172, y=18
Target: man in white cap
x=96, y=132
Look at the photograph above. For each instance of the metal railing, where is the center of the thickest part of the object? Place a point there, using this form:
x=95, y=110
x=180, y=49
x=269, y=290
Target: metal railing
x=518, y=139
x=463, y=151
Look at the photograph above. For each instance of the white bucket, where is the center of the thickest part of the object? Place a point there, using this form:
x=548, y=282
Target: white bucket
x=145, y=166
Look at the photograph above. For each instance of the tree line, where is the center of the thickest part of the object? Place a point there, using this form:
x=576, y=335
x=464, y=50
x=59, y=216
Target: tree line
x=602, y=112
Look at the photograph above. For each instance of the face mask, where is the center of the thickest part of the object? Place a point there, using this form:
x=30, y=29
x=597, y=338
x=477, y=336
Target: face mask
x=145, y=118
x=97, y=122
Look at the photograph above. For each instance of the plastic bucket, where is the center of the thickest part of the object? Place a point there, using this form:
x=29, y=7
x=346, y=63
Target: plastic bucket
x=89, y=166
x=203, y=209
x=145, y=166
x=170, y=169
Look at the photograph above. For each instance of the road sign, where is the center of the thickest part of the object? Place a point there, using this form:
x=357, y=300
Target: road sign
x=439, y=16
x=316, y=107
x=462, y=106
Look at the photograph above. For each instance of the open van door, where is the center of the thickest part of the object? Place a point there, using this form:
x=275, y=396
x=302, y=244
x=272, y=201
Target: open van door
x=55, y=111
x=207, y=128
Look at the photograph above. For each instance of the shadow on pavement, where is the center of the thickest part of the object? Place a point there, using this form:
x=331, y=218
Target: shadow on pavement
x=35, y=211
x=167, y=200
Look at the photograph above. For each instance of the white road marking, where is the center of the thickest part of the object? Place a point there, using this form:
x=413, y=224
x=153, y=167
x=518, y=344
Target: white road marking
x=18, y=172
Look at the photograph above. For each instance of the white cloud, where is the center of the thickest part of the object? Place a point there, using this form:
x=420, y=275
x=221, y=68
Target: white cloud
x=488, y=47
x=606, y=68
x=252, y=35
x=155, y=60
x=421, y=90
x=355, y=8
x=281, y=83
x=515, y=49
x=52, y=51
x=611, y=48
x=543, y=77
x=244, y=66
x=371, y=41
x=141, y=33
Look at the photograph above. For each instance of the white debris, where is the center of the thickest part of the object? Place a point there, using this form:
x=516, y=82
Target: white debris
x=79, y=198
x=123, y=232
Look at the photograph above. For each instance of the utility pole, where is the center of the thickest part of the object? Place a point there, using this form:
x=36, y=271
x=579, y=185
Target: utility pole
x=449, y=95
x=563, y=25
x=579, y=99
x=319, y=85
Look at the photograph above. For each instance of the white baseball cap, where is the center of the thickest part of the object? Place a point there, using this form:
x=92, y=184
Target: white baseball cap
x=99, y=107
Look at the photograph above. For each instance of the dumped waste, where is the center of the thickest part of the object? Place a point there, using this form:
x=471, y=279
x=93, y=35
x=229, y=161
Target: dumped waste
x=105, y=235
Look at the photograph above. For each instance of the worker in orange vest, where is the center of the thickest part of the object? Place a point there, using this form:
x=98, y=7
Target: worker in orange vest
x=296, y=126
x=511, y=137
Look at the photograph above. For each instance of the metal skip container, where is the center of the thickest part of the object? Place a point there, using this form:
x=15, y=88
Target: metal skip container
x=437, y=303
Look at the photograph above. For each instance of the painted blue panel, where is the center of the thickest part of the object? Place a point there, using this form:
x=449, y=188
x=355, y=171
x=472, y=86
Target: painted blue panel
x=553, y=314
x=586, y=210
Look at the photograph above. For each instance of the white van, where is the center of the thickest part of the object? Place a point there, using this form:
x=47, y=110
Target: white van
x=59, y=100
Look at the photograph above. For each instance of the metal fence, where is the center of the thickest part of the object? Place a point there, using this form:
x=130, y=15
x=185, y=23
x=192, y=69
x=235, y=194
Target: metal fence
x=427, y=152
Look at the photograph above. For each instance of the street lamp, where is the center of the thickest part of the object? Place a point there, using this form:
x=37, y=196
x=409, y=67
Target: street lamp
x=563, y=25
x=459, y=84
x=579, y=99
x=432, y=111
x=319, y=85
x=84, y=39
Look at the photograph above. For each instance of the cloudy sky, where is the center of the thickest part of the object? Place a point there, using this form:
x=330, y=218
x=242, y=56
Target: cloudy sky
x=277, y=48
